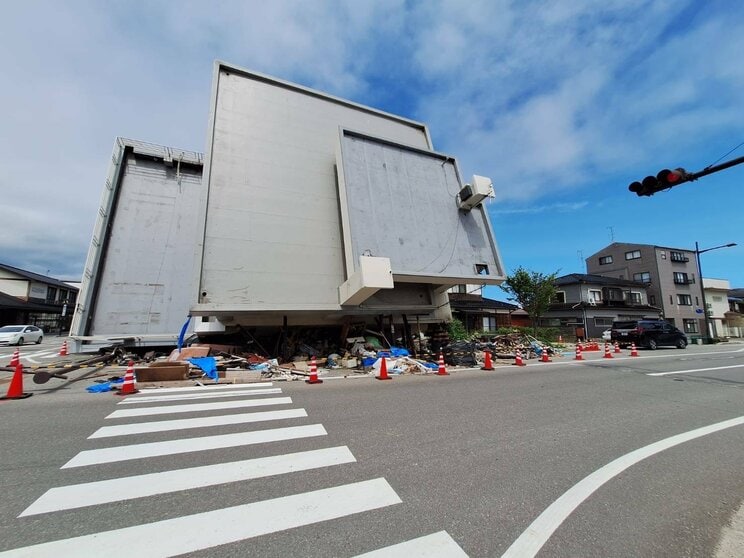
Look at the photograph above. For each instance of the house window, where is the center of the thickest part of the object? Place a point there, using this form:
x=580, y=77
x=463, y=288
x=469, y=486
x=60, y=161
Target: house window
x=603, y=322
x=684, y=300
x=604, y=260
x=481, y=269
x=51, y=294
x=560, y=297
x=462, y=289
x=690, y=326
x=595, y=296
x=652, y=300
x=635, y=298
x=682, y=278
x=678, y=257
x=633, y=255
x=717, y=299
x=489, y=323
x=644, y=277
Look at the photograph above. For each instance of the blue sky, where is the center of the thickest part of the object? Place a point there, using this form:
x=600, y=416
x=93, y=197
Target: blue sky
x=561, y=104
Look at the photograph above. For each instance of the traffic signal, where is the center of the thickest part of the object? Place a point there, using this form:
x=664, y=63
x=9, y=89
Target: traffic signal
x=664, y=180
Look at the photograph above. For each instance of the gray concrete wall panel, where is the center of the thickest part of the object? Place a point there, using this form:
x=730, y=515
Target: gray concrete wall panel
x=147, y=278
x=272, y=237
x=401, y=205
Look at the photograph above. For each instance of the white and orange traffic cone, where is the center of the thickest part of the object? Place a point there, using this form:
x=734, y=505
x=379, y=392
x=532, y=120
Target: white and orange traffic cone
x=129, y=385
x=487, y=364
x=383, y=370
x=518, y=359
x=607, y=353
x=15, y=389
x=544, y=355
x=617, y=348
x=442, y=370
x=63, y=349
x=313, y=379
x=579, y=356
x=633, y=350
x=15, y=359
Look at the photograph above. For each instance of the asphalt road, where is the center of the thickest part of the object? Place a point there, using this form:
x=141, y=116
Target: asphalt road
x=469, y=461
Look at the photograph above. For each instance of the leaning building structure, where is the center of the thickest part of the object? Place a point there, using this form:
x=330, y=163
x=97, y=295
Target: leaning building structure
x=305, y=210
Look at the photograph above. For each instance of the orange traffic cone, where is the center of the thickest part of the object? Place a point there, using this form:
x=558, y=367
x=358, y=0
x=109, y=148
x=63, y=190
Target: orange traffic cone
x=15, y=359
x=544, y=355
x=313, y=379
x=578, y=352
x=128, y=387
x=383, y=370
x=607, y=353
x=15, y=389
x=633, y=350
x=487, y=365
x=617, y=348
x=442, y=370
x=63, y=350
x=518, y=359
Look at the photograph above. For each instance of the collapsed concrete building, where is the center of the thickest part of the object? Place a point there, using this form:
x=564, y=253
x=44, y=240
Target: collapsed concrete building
x=306, y=210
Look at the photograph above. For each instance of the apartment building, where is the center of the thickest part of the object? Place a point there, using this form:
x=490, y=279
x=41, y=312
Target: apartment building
x=670, y=276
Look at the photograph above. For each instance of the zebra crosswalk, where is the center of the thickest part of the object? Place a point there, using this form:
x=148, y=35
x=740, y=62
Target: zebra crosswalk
x=172, y=536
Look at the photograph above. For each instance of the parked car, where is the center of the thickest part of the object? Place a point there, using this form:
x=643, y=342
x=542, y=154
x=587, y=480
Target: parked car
x=20, y=334
x=647, y=333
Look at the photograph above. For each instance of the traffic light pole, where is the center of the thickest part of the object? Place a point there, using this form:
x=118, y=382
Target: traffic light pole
x=667, y=179
x=715, y=168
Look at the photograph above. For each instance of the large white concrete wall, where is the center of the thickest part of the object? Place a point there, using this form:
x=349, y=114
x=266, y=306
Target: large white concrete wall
x=272, y=236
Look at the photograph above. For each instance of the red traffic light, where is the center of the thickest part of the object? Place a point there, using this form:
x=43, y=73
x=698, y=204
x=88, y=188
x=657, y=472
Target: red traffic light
x=668, y=177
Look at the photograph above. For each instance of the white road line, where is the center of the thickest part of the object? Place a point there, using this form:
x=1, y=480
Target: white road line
x=537, y=534
x=202, y=422
x=187, y=396
x=695, y=370
x=187, y=445
x=436, y=545
x=195, y=407
x=190, y=533
x=140, y=486
x=202, y=389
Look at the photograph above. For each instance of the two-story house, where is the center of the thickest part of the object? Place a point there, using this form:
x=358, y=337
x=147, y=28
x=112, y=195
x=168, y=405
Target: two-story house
x=734, y=318
x=585, y=305
x=670, y=276
x=30, y=298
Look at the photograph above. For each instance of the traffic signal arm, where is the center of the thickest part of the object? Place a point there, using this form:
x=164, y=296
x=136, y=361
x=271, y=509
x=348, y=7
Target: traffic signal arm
x=666, y=178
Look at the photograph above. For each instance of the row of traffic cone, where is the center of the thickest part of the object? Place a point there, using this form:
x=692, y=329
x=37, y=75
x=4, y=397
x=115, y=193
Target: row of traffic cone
x=607, y=353
x=16, y=357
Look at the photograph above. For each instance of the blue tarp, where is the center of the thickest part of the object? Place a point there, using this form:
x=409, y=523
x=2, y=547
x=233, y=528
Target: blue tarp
x=207, y=364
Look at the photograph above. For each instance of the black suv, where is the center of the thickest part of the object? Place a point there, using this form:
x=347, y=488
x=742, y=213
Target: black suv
x=647, y=333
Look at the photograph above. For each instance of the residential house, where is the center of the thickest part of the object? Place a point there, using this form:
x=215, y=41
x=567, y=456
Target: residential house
x=478, y=313
x=30, y=298
x=734, y=318
x=717, y=304
x=586, y=305
x=669, y=274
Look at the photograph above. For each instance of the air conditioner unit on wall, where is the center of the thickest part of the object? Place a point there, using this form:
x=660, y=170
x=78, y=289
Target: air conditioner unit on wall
x=474, y=193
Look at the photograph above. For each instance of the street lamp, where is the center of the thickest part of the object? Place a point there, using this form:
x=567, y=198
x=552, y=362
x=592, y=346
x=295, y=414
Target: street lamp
x=698, y=251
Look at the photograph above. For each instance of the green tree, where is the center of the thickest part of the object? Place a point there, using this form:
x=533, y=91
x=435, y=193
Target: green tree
x=533, y=291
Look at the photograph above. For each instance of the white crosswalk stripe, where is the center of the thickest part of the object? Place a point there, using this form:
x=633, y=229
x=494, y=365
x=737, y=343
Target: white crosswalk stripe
x=195, y=407
x=181, y=534
x=201, y=422
x=202, y=389
x=178, y=535
x=191, y=396
x=129, y=488
x=187, y=445
x=436, y=545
